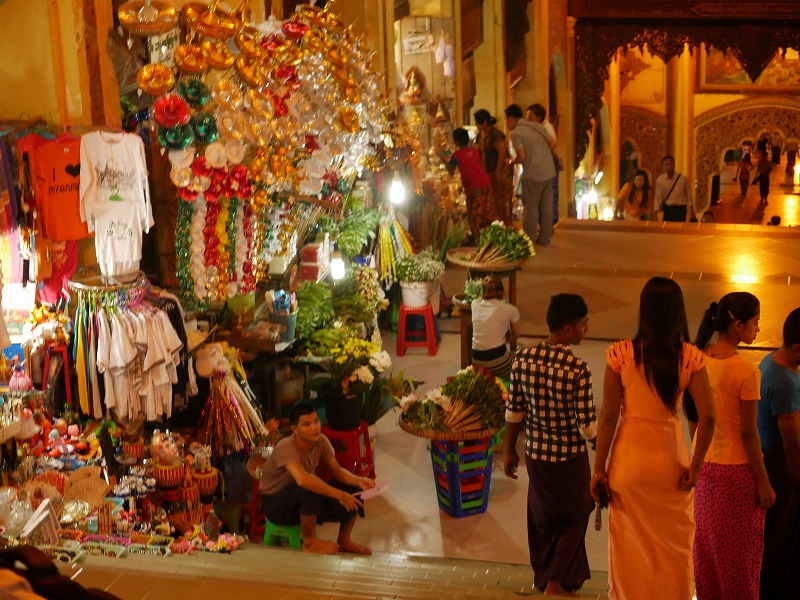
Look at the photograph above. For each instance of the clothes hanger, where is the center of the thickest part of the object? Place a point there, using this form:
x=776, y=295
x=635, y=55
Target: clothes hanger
x=66, y=135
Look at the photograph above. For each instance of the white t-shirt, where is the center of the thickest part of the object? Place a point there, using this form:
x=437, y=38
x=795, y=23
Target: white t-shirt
x=490, y=323
x=115, y=198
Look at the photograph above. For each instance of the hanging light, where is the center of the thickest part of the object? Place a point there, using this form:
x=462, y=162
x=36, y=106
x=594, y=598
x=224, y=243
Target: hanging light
x=397, y=191
x=337, y=266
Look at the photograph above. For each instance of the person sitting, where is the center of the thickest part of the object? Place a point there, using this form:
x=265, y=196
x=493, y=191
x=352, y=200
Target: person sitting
x=492, y=322
x=291, y=493
x=635, y=199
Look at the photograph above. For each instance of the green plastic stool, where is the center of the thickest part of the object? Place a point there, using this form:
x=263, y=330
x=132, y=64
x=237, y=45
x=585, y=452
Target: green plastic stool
x=273, y=534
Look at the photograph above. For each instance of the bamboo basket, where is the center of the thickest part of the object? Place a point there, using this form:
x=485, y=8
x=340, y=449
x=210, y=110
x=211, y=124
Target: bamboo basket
x=447, y=436
x=456, y=257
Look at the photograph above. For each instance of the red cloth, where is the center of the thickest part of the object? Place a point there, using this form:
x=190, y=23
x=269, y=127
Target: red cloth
x=65, y=261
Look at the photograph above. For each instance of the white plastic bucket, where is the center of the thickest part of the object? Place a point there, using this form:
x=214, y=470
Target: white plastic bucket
x=419, y=293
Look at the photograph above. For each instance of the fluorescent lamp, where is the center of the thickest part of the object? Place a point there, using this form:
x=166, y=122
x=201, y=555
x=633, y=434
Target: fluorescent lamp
x=598, y=178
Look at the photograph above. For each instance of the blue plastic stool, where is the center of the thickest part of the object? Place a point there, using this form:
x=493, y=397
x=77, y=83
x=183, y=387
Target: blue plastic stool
x=274, y=534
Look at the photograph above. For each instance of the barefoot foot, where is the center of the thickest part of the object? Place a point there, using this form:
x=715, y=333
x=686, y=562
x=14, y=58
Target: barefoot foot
x=317, y=546
x=353, y=548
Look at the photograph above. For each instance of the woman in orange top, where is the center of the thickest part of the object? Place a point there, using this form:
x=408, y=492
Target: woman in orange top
x=635, y=199
x=733, y=491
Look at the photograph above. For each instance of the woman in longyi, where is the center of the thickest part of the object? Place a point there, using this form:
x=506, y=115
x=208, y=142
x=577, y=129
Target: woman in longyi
x=650, y=475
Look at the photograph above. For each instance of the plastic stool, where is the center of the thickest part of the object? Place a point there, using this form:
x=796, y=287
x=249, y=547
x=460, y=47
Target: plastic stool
x=273, y=534
x=354, y=448
x=429, y=340
x=62, y=350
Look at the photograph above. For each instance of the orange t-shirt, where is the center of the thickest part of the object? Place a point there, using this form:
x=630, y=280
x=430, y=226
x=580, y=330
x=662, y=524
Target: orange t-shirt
x=733, y=380
x=57, y=174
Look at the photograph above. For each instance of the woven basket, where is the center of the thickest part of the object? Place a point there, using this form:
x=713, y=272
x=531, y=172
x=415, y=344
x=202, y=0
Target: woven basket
x=91, y=490
x=447, y=436
x=456, y=256
x=83, y=473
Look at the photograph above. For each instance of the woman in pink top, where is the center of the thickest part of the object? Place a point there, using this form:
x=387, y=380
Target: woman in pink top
x=733, y=490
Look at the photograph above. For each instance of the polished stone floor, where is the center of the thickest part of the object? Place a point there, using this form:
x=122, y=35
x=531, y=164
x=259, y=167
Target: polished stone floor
x=420, y=552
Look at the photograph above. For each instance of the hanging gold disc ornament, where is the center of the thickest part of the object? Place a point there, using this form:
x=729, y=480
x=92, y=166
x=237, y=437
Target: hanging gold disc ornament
x=147, y=17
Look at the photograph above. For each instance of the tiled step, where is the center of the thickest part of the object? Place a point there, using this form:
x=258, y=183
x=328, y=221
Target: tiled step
x=287, y=574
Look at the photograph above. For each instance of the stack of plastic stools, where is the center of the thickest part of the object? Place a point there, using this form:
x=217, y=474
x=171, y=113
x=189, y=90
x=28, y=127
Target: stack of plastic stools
x=425, y=339
x=353, y=449
x=462, y=471
x=275, y=534
x=257, y=520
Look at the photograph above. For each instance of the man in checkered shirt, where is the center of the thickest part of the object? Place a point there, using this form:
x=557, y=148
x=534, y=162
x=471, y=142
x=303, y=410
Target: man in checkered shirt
x=551, y=394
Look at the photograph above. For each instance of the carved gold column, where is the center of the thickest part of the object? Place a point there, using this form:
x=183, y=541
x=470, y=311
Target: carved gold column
x=566, y=202
x=680, y=113
x=611, y=158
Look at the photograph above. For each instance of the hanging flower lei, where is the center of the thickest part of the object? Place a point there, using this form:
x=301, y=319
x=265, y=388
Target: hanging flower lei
x=223, y=255
x=248, y=275
x=183, y=251
x=198, y=268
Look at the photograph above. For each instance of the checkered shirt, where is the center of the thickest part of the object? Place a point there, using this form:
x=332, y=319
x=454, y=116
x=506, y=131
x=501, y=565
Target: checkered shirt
x=551, y=389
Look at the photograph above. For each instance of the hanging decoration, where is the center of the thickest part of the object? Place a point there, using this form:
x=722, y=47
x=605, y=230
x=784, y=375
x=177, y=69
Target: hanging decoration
x=259, y=120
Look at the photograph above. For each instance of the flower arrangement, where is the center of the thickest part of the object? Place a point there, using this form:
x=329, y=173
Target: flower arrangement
x=472, y=400
x=356, y=363
x=420, y=267
x=473, y=290
x=383, y=394
x=498, y=243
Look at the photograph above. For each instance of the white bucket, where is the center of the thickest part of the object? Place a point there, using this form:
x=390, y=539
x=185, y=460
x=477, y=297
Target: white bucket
x=419, y=293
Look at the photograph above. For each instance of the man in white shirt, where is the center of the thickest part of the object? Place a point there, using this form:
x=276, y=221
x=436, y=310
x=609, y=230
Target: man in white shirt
x=673, y=195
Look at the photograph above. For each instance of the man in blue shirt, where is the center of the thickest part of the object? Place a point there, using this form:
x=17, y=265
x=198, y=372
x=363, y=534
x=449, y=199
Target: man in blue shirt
x=779, y=429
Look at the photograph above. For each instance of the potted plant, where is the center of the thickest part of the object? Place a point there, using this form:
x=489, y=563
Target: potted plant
x=419, y=276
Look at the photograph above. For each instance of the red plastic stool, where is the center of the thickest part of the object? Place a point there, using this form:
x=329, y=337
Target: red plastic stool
x=257, y=519
x=354, y=448
x=429, y=339
x=62, y=350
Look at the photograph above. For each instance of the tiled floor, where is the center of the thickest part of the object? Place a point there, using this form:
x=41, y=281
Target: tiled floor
x=420, y=552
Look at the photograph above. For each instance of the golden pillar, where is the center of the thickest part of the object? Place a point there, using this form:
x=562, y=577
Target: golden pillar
x=611, y=158
x=680, y=113
x=566, y=202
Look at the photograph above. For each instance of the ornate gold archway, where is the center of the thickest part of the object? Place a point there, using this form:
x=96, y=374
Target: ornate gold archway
x=597, y=42
x=726, y=126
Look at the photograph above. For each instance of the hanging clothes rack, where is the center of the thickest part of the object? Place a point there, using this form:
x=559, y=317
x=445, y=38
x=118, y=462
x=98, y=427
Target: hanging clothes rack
x=90, y=279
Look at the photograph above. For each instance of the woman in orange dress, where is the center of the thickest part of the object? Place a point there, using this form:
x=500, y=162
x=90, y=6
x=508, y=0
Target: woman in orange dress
x=650, y=476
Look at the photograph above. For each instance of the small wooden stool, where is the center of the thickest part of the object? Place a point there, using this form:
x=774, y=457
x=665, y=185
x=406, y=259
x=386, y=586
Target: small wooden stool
x=353, y=449
x=429, y=339
x=274, y=534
